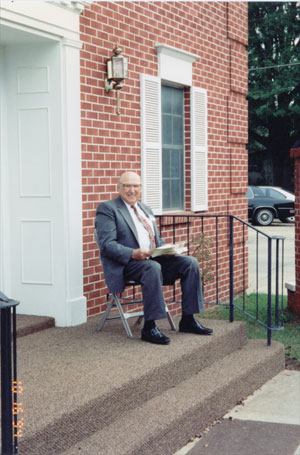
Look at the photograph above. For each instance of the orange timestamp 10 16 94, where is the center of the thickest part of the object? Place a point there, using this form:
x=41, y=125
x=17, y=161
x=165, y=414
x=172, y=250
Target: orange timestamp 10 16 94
x=18, y=410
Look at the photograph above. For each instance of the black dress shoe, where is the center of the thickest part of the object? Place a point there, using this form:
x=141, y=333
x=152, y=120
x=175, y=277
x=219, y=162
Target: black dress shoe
x=194, y=327
x=154, y=335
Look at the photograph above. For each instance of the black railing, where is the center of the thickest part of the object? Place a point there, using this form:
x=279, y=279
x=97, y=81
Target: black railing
x=10, y=426
x=230, y=265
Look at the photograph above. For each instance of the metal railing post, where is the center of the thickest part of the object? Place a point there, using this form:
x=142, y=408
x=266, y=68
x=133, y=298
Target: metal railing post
x=278, y=239
x=277, y=285
x=269, y=330
x=7, y=420
x=231, y=294
x=6, y=383
x=217, y=260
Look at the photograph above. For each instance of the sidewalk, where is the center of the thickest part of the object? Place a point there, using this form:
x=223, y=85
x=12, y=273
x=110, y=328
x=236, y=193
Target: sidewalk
x=266, y=423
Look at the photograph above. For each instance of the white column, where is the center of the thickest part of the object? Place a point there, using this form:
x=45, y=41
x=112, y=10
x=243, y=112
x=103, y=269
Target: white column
x=75, y=305
x=5, y=283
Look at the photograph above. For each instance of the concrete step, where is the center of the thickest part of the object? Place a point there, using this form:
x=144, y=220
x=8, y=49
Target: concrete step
x=165, y=423
x=27, y=324
x=80, y=385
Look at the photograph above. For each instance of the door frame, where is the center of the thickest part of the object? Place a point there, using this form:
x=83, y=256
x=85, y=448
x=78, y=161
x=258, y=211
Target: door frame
x=60, y=23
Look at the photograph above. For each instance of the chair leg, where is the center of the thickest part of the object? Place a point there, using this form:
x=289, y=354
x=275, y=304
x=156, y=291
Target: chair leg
x=125, y=323
x=115, y=299
x=170, y=319
x=139, y=320
x=106, y=313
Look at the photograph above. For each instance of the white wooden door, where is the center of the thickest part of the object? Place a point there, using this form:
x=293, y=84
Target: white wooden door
x=34, y=183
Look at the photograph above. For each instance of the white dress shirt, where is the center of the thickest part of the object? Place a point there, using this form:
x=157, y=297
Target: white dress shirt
x=143, y=236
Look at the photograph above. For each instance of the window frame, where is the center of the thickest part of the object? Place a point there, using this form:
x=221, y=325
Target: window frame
x=183, y=149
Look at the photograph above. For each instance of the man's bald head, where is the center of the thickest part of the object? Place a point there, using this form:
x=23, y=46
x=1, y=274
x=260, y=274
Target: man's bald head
x=130, y=187
x=129, y=176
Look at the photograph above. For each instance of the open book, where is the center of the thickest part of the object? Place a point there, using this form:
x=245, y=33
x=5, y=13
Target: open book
x=169, y=249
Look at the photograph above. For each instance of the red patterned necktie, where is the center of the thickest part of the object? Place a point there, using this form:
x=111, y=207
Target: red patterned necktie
x=146, y=226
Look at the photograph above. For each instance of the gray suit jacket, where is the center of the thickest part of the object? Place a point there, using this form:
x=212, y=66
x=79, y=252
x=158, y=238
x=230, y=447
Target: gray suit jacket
x=117, y=238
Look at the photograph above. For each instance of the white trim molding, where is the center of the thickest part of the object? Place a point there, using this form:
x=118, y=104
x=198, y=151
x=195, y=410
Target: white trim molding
x=175, y=65
x=52, y=20
x=76, y=7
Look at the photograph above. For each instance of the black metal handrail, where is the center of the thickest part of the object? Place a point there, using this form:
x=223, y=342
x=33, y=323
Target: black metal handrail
x=9, y=383
x=228, y=232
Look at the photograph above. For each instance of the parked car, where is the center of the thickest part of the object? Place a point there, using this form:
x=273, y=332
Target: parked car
x=266, y=203
x=277, y=191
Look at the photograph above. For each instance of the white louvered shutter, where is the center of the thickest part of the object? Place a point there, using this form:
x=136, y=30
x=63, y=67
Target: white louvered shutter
x=151, y=142
x=199, y=149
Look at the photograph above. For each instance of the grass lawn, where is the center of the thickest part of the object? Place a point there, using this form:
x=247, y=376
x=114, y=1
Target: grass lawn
x=289, y=337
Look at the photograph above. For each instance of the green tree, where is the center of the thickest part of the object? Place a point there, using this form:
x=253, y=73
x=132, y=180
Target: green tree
x=274, y=84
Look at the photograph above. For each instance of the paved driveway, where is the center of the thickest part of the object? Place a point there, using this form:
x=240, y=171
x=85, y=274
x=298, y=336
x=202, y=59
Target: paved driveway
x=260, y=278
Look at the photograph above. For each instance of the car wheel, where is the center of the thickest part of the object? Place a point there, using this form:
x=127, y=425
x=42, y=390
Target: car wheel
x=263, y=217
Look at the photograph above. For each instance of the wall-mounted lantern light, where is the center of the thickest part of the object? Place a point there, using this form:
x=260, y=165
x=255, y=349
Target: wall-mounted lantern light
x=117, y=71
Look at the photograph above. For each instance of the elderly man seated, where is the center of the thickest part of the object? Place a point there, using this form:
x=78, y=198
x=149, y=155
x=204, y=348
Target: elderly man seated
x=127, y=232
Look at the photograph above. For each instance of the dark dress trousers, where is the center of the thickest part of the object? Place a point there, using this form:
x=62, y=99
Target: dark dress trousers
x=117, y=237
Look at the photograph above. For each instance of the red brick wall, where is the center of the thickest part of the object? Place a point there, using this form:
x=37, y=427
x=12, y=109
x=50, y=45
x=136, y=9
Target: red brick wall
x=294, y=296
x=217, y=33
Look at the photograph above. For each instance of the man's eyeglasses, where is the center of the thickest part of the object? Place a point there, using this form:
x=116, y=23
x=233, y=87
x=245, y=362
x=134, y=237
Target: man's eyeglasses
x=128, y=187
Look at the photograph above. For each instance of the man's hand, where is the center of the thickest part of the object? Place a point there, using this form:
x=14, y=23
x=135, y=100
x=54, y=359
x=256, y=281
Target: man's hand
x=140, y=254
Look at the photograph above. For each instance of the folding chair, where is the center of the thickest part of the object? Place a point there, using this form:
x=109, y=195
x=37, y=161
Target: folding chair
x=118, y=302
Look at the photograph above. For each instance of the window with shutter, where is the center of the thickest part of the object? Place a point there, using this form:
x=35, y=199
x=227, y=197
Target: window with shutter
x=163, y=188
